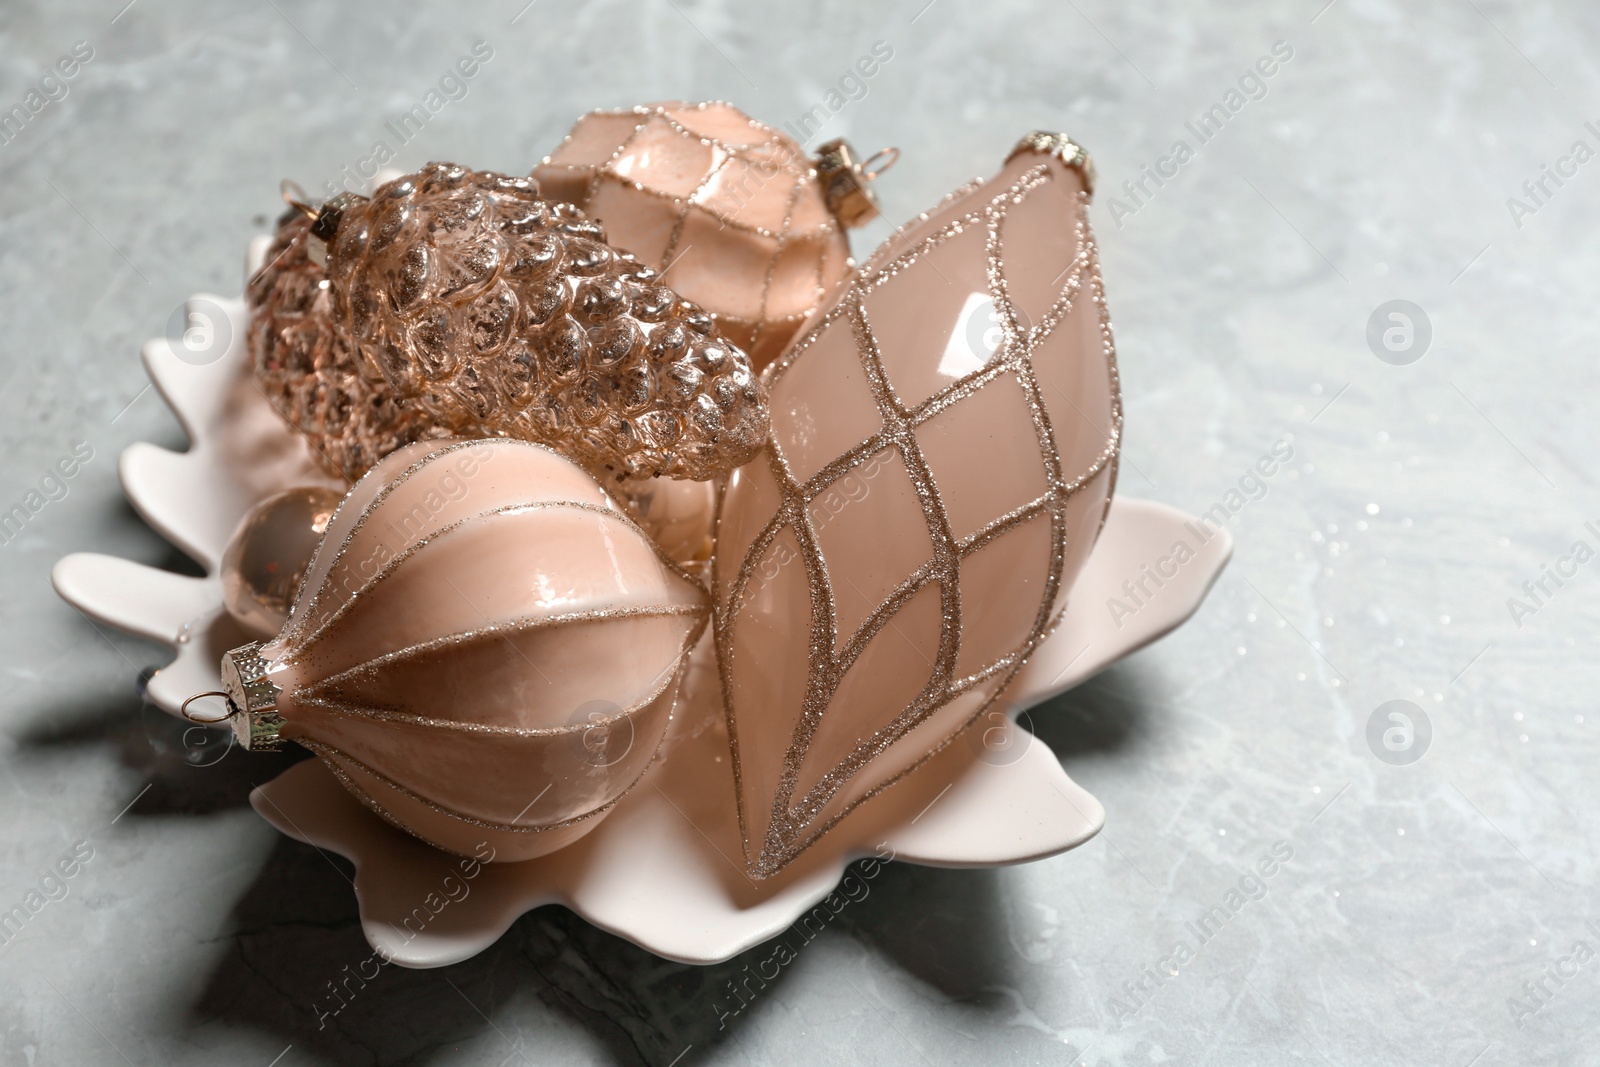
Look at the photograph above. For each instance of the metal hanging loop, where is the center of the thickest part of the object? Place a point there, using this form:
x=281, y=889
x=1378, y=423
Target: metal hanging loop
x=183, y=709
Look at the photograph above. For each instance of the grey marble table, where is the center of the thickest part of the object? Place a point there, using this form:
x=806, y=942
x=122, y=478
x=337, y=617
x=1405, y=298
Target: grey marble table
x=1434, y=910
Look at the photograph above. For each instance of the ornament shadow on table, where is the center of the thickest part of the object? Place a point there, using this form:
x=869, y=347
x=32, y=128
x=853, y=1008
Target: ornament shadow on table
x=294, y=963
x=296, y=929
x=663, y=869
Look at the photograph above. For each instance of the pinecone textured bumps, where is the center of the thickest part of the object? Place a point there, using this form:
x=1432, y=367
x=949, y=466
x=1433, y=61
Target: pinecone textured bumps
x=492, y=311
x=307, y=370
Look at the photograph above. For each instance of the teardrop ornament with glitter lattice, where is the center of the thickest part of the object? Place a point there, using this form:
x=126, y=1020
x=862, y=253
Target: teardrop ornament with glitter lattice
x=463, y=302
x=729, y=209
x=944, y=449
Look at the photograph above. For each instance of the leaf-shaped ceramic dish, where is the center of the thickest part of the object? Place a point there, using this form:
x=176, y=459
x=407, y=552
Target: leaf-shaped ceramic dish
x=664, y=869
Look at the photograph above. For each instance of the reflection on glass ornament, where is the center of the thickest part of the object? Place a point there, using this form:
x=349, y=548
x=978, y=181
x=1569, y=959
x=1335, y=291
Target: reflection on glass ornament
x=268, y=554
x=462, y=302
x=733, y=212
x=966, y=378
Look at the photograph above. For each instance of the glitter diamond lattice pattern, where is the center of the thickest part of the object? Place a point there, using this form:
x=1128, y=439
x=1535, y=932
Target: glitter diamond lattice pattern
x=923, y=504
x=726, y=207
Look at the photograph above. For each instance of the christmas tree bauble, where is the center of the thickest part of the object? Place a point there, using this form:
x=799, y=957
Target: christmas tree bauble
x=461, y=302
x=267, y=556
x=308, y=370
x=485, y=649
x=944, y=447
x=731, y=211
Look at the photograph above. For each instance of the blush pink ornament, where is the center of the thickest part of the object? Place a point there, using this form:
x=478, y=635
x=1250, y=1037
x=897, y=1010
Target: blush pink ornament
x=731, y=211
x=485, y=649
x=656, y=870
x=944, y=444
x=267, y=556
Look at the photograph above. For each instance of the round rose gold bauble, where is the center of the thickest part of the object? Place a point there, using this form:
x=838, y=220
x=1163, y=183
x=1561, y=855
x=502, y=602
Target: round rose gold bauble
x=678, y=515
x=728, y=209
x=269, y=551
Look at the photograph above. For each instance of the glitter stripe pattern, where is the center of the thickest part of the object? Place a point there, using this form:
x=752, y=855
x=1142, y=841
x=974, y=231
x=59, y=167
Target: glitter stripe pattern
x=457, y=646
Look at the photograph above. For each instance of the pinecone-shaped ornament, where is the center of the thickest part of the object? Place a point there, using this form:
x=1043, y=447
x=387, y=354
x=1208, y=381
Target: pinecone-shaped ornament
x=307, y=369
x=474, y=307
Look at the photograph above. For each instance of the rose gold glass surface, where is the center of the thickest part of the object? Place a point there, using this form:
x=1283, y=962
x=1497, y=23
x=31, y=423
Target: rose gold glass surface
x=678, y=515
x=485, y=647
x=944, y=449
x=461, y=302
x=727, y=208
x=307, y=369
x=267, y=556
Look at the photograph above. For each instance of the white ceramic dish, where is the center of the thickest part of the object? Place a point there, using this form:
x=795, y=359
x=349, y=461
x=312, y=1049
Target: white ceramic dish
x=663, y=870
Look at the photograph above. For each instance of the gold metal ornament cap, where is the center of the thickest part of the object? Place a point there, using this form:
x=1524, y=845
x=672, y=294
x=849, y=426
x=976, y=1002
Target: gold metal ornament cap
x=1063, y=147
x=847, y=181
x=252, y=699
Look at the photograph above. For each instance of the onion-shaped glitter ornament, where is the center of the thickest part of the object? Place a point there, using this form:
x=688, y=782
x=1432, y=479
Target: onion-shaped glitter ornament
x=269, y=552
x=733, y=212
x=485, y=650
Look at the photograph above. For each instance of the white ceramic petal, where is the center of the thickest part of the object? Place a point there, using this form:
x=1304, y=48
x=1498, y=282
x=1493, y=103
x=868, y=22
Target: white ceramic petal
x=141, y=600
x=663, y=870
x=1138, y=536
